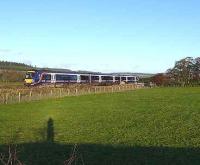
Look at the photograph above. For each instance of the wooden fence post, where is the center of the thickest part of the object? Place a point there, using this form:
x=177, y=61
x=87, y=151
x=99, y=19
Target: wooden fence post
x=30, y=94
x=6, y=98
x=3, y=99
x=60, y=93
x=19, y=99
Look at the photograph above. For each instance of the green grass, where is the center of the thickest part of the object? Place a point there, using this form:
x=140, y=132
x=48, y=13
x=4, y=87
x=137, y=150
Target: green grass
x=148, y=126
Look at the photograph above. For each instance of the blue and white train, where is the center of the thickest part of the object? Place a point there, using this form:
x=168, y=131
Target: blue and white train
x=42, y=77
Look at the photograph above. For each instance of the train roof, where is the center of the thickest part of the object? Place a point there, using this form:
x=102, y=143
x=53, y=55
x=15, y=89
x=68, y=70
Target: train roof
x=97, y=74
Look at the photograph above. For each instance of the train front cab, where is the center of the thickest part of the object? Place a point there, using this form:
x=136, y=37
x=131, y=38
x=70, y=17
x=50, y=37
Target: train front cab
x=29, y=78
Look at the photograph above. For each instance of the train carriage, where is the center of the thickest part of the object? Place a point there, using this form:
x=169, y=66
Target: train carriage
x=41, y=77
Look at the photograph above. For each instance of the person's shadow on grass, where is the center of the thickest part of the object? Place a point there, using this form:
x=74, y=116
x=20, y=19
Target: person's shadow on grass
x=50, y=131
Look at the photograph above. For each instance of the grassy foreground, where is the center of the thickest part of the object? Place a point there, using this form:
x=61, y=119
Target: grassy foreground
x=149, y=126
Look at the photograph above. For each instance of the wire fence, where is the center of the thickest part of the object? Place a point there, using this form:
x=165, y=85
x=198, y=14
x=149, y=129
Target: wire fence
x=10, y=96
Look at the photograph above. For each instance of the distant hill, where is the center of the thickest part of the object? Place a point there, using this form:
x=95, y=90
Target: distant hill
x=60, y=70
x=141, y=75
x=5, y=65
x=144, y=75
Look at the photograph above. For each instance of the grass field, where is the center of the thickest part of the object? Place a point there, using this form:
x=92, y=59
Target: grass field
x=146, y=126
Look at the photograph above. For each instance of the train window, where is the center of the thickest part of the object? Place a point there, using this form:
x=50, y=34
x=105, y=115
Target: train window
x=30, y=75
x=86, y=78
x=123, y=78
x=46, y=77
x=66, y=77
x=117, y=78
x=107, y=78
x=73, y=77
x=95, y=78
x=131, y=78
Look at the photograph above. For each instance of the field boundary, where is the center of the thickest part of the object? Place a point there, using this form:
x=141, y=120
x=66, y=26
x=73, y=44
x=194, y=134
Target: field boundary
x=10, y=96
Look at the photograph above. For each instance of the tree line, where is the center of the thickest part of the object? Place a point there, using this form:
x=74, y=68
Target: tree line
x=185, y=72
x=6, y=65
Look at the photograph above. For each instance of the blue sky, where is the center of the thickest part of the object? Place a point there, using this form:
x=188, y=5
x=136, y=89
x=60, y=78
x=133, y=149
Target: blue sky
x=100, y=35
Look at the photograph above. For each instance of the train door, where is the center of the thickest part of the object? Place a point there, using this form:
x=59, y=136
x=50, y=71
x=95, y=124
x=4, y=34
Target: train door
x=53, y=78
x=78, y=78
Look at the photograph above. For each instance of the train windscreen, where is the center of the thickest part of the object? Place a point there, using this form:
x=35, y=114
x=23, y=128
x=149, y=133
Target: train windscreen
x=30, y=75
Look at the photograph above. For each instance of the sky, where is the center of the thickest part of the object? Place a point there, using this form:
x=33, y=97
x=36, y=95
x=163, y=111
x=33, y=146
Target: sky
x=100, y=35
